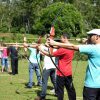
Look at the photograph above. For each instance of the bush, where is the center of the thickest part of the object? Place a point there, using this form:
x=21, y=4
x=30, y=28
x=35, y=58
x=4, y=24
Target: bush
x=79, y=56
x=22, y=30
x=14, y=30
x=4, y=29
x=64, y=17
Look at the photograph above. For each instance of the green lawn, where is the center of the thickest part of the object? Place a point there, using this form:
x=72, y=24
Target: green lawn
x=9, y=84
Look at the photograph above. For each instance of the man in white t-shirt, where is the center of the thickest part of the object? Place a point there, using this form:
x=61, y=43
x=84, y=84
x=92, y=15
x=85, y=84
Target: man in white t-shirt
x=48, y=70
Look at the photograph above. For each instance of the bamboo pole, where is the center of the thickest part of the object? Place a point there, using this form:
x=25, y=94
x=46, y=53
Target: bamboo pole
x=76, y=39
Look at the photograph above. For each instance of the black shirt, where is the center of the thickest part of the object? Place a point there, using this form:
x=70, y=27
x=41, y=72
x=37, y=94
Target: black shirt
x=13, y=52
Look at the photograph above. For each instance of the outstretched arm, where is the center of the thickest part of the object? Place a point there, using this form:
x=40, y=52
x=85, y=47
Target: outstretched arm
x=44, y=52
x=32, y=45
x=63, y=45
x=1, y=48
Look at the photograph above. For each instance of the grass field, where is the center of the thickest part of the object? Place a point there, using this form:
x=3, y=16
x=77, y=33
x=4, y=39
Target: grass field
x=13, y=87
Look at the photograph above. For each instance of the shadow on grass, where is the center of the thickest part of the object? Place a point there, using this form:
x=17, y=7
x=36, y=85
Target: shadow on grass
x=38, y=94
x=35, y=89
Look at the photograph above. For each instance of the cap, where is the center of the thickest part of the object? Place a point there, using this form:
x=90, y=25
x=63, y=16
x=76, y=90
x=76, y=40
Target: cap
x=94, y=31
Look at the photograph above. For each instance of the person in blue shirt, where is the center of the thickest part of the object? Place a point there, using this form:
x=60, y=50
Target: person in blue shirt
x=34, y=59
x=91, y=89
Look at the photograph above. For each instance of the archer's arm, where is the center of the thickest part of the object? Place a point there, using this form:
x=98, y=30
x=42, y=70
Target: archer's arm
x=63, y=45
x=44, y=52
x=1, y=48
x=32, y=45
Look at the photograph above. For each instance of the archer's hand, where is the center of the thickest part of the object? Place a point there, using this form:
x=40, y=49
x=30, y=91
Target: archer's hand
x=78, y=39
x=25, y=45
x=84, y=40
x=51, y=42
x=40, y=47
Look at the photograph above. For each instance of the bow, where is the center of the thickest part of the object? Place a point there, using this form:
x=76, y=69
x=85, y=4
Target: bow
x=52, y=34
x=50, y=51
x=37, y=51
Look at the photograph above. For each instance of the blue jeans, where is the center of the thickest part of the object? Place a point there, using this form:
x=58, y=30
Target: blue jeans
x=45, y=76
x=34, y=67
x=5, y=63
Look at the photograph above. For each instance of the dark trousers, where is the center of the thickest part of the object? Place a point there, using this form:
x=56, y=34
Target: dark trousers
x=45, y=76
x=91, y=93
x=67, y=82
x=14, y=66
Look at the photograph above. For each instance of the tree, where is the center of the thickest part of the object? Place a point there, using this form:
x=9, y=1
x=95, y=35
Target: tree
x=29, y=10
x=7, y=12
x=65, y=17
x=90, y=10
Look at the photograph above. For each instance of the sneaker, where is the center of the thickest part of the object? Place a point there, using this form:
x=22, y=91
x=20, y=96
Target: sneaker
x=55, y=94
x=52, y=91
x=27, y=84
x=39, y=84
x=39, y=98
x=28, y=87
x=33, y=83
x=10, y=73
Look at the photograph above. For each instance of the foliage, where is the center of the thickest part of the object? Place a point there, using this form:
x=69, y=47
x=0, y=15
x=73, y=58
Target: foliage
x=18, y=37
x=22, y=30
x=18, y=14
x=64, y=17
x=28, y=13
x=8, y=12
x=80, y=57
x=90, y=10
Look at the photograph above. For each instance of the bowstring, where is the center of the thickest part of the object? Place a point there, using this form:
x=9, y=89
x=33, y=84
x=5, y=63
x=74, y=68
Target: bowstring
x=37, y=51
x=76, y=65
x=39, y=64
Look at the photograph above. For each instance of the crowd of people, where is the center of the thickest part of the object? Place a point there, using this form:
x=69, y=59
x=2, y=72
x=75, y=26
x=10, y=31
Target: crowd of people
x=6, y=53
x=61, y=72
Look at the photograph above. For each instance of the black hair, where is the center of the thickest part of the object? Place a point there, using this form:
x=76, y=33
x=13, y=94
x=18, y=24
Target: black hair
x=66, y=35
x=57, y=40
x=4, y=45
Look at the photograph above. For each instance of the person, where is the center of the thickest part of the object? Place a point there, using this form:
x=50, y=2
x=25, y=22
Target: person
x=64, y=70
x=48, y=70
x=91, y=90
x=34, y=60
x=13, y=51
x=0, y=57
x=4, y=57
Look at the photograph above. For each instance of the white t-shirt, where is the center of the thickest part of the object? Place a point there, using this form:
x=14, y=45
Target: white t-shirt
x=48, y=64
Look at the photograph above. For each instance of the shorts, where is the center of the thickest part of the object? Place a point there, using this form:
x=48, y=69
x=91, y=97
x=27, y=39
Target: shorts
x=5, y=62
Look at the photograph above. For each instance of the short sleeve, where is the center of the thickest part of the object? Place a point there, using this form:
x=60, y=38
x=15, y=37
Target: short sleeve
x=59, y=52
x=87, y=49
